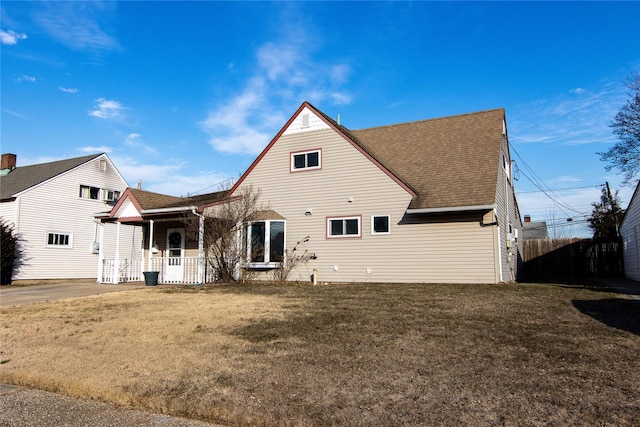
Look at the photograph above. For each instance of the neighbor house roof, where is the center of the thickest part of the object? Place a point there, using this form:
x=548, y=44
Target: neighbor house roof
x=24, y=177
x=449, y=162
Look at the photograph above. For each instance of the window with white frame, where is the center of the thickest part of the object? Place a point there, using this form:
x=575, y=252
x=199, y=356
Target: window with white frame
x=95, y=193
x=265, y=243
x=88, y=192
x=57, y=239
x=380, y=224
x=344, y=227
x=306, y=160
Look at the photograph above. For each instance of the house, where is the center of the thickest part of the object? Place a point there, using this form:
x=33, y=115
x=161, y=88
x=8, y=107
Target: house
x=630, y=233
x=52, y=206
x=167, y=247
x=534, y=230
x=426, y=201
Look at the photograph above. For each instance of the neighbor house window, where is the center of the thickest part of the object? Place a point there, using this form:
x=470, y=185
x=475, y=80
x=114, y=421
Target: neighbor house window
x=343, y=227
x=59, y=240
x=306, y=160
x=87, y=192
x=265, y=243
x=380, y=224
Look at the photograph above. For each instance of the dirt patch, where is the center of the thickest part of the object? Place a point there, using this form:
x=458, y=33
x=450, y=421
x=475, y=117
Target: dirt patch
x=338, y=355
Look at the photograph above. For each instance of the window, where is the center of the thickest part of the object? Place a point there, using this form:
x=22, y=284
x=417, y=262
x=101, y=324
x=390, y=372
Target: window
x=265, y=243
x=380, y=224
x=87, y=192
x=343, y=227
x=506, y=166
x=59, y=240
x=95, y=193
x=306, y=160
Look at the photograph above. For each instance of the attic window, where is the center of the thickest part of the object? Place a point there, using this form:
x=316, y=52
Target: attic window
x=306, y=160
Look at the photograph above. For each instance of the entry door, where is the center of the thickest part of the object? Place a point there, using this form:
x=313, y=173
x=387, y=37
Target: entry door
x=174, y=268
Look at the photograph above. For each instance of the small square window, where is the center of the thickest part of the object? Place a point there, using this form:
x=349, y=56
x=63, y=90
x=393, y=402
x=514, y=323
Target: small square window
x=380, y=224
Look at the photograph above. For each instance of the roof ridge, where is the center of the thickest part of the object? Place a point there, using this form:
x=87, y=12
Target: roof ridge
x=434, y=119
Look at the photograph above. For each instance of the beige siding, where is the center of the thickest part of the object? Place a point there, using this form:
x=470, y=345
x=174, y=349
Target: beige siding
x=630, y=232
x=439, y=251
x=55, y=206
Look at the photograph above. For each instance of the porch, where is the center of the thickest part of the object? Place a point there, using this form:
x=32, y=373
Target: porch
x=172, y=270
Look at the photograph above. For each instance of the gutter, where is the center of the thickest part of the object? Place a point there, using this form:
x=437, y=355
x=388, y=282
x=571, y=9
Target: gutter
x=168, y=210
x=452, y=209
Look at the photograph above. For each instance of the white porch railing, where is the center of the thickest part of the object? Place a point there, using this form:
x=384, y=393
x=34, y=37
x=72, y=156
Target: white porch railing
x=173, y=270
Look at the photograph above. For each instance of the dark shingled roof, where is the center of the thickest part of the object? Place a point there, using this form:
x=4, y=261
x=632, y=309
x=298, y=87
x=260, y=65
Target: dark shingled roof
x=24, y=177
x=151, y=200
x=449, y=162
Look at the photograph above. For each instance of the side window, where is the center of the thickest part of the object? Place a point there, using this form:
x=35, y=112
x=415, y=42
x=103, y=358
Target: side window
x=344, y=227
x=59, y=240
x=306, y=160
x=87, y=192
x=380, y=224
x=265, y=243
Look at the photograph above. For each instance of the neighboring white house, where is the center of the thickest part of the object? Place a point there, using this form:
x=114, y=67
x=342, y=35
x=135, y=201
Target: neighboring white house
x=52, y=206
x=427, y=201
x=630, y=233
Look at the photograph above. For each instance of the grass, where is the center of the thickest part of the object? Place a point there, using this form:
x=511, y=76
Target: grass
x=534, y=354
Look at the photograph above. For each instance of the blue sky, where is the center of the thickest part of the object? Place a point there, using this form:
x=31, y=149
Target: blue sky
x=184, y=95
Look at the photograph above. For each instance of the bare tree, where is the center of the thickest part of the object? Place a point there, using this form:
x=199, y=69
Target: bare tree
x=224, y=247
x=625, y=154
x=292, y=258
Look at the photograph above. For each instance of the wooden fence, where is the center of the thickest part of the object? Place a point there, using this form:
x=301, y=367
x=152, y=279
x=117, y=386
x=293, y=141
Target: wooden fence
x=546, y=259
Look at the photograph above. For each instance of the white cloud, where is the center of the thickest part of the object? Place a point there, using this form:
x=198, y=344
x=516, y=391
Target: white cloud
x=169, y=177
x=68, y=89
x=581, y=118
x=25, y=78
x=286, y=74
x=135, y=140
x=78, y=25
x=107, y=109
x=11, y=37
x=101, y=149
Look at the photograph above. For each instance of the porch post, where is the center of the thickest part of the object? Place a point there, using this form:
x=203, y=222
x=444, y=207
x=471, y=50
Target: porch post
x=116, y=272
x=150, y=244
x=201, y=249
x=100, y=251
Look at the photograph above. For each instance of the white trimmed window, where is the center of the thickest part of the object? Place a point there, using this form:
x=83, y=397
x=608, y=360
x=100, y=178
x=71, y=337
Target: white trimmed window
x=57, y=239
x=380, y=224
x=265, y=243
x=306, y=160
x=349, y=226
x=88, y=192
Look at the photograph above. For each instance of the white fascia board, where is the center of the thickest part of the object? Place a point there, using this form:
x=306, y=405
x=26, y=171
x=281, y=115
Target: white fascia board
x=452, y=209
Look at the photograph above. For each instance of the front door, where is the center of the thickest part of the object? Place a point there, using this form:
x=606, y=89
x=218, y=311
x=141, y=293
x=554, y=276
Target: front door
x=174, y=268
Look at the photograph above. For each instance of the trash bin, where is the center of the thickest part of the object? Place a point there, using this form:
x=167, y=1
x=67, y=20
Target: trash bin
x=151, y=277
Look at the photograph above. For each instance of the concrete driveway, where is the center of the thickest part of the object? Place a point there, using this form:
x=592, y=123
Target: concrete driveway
x=10, y=295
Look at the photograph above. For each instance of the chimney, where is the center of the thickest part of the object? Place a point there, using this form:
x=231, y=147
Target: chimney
x=8, y=161
x=527, y=218
x=139, y=187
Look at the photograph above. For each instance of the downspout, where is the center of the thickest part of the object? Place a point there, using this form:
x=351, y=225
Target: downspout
x=200, y=245
x=499, y=246
x=149, y=252
x=116, y=272
x=100, y=252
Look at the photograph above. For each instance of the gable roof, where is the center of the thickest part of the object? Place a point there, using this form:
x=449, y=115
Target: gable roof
x=445, y=163
x=450, y=161
x=25, y=177
x=146, y=202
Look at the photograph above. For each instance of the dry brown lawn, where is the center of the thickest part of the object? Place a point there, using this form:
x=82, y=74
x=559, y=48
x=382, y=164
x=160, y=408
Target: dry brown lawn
x=340, y=355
